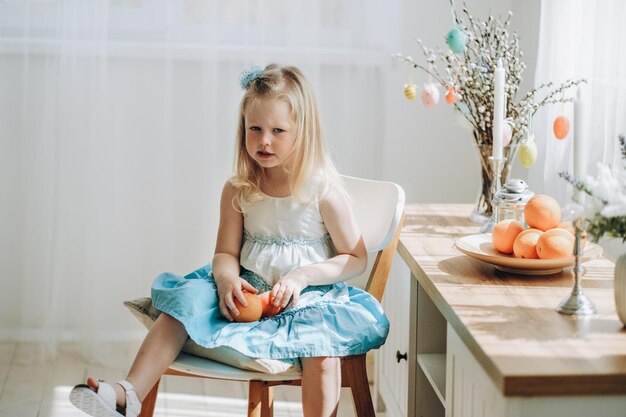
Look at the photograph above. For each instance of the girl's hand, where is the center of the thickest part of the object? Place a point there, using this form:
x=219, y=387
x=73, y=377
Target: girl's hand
x=288, y=287
x=227, y=290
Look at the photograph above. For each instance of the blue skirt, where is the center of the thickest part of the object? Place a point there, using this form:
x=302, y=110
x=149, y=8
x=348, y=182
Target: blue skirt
x=329, y=320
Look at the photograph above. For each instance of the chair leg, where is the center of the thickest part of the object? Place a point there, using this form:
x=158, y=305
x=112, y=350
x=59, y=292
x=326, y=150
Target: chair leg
x=356, y=374
x=260, y=399
x=267, y=410
x=148, y=403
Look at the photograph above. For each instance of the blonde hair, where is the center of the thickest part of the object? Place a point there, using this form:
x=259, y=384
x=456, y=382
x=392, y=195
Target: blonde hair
x=312, y=174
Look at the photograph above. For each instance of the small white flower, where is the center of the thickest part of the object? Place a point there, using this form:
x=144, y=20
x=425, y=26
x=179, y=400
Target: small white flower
x=604, y=186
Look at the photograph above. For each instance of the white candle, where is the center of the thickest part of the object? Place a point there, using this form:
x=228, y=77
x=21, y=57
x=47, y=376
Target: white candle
x=498, y=111
x=580, y=142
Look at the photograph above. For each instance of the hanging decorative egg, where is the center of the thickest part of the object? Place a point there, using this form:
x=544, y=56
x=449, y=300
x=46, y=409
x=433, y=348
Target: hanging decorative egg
x=430, y=95
x=507, y=133
x=561, y=127
x=410, y=91
x=451, y=95
x=528, y=152
x=456, y=40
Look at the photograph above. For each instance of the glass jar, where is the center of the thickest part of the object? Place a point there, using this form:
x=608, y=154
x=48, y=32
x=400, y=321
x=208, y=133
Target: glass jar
x=510, y=200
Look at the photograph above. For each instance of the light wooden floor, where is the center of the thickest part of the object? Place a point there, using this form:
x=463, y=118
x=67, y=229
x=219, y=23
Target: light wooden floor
x=42, y=389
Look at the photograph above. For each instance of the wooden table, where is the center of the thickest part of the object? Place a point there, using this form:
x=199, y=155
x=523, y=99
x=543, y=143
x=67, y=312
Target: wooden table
x=502, y=334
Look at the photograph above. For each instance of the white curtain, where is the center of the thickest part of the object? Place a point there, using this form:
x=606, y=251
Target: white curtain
x=580, y=39
x=116, y=136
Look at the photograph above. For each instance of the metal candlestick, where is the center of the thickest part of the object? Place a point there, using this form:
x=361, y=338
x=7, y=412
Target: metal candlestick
x=496, y=167
x=577, y=303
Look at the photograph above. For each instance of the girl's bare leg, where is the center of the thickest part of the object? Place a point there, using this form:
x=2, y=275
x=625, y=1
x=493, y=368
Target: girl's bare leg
x=321, y=385
x=157, y=352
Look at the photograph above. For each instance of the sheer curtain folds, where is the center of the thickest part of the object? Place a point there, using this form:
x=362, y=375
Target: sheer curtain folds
x=580, y=39
x=118, y=121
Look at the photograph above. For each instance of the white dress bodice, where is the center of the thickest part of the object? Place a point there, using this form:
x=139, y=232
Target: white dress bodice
x=281, y=234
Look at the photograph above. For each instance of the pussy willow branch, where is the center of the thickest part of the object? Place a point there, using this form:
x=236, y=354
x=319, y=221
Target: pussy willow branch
x=454, y=16
x=471, y=72
x=578, y=184
x=437, y=76
x=564, y=86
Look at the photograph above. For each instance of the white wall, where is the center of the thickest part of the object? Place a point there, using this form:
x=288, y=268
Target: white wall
x=427, y=151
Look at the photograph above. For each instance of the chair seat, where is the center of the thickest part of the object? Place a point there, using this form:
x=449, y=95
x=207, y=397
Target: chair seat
x=191, y=364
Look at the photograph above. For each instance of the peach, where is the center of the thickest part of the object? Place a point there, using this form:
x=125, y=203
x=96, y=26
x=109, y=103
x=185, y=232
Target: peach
x=251, y=312
x=555, y=244
x=569, y=226
x=525, y=244
x=504, y=233
x=542, y=212
x=269, y=309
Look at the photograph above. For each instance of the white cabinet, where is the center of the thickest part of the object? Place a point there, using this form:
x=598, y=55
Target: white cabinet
x=440, y=376
x=473, y=393
x=428, y=346
x=392, y=375
x=411, y=365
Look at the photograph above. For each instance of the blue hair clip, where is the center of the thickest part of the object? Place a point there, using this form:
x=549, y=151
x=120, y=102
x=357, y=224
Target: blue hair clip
x=248, y=76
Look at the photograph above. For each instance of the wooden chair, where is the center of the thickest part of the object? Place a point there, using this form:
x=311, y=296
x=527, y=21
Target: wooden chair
x=379, y=209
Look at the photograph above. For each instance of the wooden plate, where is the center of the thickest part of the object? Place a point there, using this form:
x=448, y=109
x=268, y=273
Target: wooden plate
x=481, y=248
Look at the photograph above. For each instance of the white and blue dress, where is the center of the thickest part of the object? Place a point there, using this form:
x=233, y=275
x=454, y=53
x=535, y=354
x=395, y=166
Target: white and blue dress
x=280, y=234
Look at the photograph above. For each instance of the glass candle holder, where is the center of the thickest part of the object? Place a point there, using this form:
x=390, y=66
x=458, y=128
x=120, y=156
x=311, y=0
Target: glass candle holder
x=510, y=200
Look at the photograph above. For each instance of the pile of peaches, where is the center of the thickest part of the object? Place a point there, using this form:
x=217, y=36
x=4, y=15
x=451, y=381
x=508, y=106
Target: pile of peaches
x=546, y=236
x=259, y=305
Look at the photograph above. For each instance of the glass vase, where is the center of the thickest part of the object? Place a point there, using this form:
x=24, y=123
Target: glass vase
x=482, y=209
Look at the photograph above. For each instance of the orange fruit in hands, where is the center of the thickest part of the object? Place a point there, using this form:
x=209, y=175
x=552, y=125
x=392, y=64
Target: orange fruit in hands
x=569, y=226
x=268, y=308
x=504, y=234
x=525, y=244
x=251, y=312
x=542, y=212
x=555, y=244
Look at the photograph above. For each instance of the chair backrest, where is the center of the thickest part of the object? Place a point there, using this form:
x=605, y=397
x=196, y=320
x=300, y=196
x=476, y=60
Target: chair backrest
x=378, y=207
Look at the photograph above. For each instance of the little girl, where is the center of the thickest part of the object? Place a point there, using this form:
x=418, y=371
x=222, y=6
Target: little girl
x=286, y=226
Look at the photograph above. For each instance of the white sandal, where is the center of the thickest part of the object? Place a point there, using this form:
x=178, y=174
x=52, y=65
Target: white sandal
x=102, y=403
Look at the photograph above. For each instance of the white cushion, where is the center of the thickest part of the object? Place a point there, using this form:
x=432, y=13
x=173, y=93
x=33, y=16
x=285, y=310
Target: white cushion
x=143, y=311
